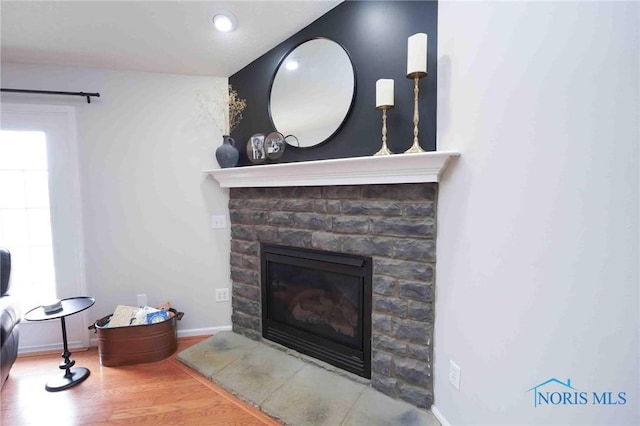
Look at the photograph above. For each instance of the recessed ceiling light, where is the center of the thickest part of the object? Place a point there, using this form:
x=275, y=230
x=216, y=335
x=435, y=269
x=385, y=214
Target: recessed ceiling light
x=225, y=21
x=292, y=64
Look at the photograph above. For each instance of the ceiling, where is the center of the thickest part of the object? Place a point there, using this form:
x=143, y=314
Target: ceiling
x=155, y=36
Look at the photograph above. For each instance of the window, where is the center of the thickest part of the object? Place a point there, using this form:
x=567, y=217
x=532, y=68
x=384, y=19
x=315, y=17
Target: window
x=25, y=223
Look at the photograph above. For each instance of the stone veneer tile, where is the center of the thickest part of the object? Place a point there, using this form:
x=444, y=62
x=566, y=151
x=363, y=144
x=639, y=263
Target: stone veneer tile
x=401, y=269
x=423, y=209
x=385, y=285
x=244, y=275
x=295, y=238
x=247, y=217
x=243, y=232
x=292, y=205
x=312, y=221
x=412, y=371
x=245, y=321
x=279, y=218
x=368, y=245
x=403, y=192
x=252, y=307
x=390, y=305
x=415, y=290
x=246, y=291
x=357, y=225
x=402, y=227
x=267, y=234
x=327, y=241
x=297, y=192
x=422, y=250
x=334, y=206
x=392, y=345
x=342, y=192
x=372, y=208
x=419, y=396
x=245, y=247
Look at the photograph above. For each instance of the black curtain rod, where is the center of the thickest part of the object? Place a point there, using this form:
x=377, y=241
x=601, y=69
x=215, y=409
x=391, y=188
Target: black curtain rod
x=49, y=92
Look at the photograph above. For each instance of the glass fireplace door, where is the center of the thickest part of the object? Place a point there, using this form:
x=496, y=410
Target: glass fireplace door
x=319, y=303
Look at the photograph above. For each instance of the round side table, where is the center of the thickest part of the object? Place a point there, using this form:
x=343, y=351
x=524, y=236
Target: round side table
x=70, y=306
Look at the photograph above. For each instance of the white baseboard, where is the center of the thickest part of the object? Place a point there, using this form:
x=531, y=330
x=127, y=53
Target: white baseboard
x=52, y=347
x=439, y=416
x=203, y=331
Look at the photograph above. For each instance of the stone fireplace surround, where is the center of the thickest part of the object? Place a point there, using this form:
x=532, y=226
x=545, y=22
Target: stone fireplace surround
x=394, y=223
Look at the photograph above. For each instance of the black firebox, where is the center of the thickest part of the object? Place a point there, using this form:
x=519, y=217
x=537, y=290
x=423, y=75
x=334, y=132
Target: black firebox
x=318, y=303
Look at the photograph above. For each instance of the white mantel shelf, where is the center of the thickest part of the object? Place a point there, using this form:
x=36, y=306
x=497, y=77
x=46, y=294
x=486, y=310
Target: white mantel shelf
x=398, y=168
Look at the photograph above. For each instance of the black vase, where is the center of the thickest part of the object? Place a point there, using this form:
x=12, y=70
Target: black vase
x=227, y=154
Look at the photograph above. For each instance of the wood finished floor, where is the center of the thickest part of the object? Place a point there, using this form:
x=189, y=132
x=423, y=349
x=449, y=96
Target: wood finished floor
x=159, y=393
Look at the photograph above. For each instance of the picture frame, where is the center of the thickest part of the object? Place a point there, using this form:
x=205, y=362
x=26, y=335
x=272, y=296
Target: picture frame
x=274, y=145
x=256, y=149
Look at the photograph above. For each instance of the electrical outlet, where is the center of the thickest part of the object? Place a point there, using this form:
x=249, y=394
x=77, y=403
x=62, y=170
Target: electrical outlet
x=222, y=295
x=454, y=375
x=218, y=221
x=142, y=300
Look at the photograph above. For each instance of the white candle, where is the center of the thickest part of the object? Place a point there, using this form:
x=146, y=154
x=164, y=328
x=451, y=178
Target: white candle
x=384, y=92
x=417, y=54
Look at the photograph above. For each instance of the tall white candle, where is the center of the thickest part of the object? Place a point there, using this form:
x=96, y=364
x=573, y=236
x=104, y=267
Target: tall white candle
x=384, y=92
x=417, y=54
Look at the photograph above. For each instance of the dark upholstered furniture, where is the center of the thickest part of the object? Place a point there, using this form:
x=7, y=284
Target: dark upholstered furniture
x=8, y=319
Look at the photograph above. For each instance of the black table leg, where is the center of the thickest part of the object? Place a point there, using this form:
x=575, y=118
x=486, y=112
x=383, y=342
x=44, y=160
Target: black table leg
x=72, y=376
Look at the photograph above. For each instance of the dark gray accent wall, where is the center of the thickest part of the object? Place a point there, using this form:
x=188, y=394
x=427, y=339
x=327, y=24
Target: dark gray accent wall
x=374, y=33
x=394, y=224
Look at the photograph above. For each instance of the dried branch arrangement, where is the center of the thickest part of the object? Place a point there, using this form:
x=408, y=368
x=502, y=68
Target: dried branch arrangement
x=236, y=107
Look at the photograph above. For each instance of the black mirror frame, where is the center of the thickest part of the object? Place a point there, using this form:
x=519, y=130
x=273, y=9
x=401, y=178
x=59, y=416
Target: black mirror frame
x=353, y=97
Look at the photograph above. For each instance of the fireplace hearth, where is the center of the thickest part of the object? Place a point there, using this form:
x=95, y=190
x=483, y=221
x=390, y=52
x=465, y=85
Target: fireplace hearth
x=318, y=303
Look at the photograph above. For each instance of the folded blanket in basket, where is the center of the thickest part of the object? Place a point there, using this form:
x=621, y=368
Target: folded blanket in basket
x=130, y=315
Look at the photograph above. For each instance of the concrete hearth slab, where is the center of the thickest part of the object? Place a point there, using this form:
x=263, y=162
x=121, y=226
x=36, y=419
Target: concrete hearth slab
x=258, y=374
x=374, y=408
x=214, y=354
x=313, y=396
x=293, y=390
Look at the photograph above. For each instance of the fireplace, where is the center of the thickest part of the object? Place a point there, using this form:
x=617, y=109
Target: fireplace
x=393, y=225
x=318, y=303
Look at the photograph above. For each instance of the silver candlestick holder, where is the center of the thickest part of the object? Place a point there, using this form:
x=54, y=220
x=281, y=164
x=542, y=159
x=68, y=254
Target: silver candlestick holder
x=384, y=150
x=416, y=76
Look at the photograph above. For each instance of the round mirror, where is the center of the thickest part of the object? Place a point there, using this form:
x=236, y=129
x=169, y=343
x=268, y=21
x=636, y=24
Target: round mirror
x=312, y=92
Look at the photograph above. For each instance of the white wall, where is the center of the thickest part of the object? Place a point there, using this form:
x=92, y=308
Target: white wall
x=537, y=273
x=146, y=203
